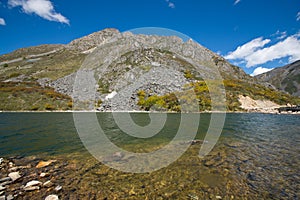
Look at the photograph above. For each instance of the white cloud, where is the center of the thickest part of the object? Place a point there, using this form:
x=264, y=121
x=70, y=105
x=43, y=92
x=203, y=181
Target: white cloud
x=290, y=47
x=280, y=35
x=237, y=1
x=253, y=53
x=2, y=22
x=247, y=49
x=42, y=8
x=298, y=16
x=170, y=4
x=260, y=70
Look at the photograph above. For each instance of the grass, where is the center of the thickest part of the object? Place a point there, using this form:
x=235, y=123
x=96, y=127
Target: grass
x=233, y=88
x=31, y=96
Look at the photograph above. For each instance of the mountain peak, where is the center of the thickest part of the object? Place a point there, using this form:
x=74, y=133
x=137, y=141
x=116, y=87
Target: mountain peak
x=86, y=43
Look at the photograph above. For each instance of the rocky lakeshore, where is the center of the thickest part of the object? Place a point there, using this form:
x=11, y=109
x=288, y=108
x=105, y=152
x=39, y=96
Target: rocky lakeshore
x=226, y=173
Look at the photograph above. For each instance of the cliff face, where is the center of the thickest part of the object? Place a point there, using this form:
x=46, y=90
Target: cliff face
x=286, y=78
x=132, y=72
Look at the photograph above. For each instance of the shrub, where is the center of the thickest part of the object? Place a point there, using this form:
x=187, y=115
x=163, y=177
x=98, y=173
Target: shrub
x=49, y=107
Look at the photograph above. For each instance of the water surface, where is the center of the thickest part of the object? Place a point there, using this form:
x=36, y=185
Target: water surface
x=257, y=156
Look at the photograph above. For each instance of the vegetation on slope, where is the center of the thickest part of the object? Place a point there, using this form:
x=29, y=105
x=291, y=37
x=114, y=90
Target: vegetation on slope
x=18, y=96
x=234, y=88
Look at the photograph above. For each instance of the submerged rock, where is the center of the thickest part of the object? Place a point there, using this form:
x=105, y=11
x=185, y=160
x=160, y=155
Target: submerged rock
x=31, y=188
x=48, y=184
x=58, y=188
x=9, y=197
x=42, y=164
x=32, y=185
x=52, y=197
x=14, y=176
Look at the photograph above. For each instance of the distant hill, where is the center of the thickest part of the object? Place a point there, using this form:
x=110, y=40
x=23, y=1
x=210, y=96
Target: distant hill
x=286, y=78
x=42, y=77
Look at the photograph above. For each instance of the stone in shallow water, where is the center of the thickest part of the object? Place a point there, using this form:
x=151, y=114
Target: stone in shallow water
x=43, y=175
x=2, y=188
x=32, y=183
x=42, y=164
x=58, y=188
x=31, y=188
x=6, y=183
x=9, y=197
x=52, y=197
x=5, y=179
x=14, y=176
x=48, y=184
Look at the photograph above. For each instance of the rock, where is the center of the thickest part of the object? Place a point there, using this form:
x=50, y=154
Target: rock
x=2, y=198
x=52, y=197
x=9, y=197
x=58, y=188
x=2, y=188
x=218, y=197
x=11, y=164
x=1, y=160
x=5, y=179
x=251, y=176
x=48, y=184
x=31, y=188
x=42, y=175
x=5, y=183
x=42, y=164
x=14, y=176
x=32, y=183
x=1, y=193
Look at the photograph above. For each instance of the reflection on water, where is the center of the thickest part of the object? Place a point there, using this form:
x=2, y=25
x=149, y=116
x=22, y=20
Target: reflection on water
x=257, y=156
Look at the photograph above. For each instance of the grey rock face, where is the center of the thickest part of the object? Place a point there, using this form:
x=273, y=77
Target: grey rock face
x=93, y=40
x=286, y=78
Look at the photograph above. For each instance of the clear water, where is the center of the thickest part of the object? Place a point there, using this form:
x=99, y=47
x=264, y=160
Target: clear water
x=257, y=156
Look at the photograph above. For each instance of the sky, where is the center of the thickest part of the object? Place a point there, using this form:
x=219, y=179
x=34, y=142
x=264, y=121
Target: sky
x=257, y=35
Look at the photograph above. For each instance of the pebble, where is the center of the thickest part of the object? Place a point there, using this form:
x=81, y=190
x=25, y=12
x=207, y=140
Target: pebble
x=48, y=184
x=2, y=198
x=218, y=197
x=2, y=192
x=2, y=188
x=52, y=197
x=42, y=164
x=58, y=188
x=5, y=183
x=9, y=197
x=14, y=176
x=43, y=175
x=31, y=188
x=11, y=164
x=32, y=183
x=5, y=179
x=1, y=160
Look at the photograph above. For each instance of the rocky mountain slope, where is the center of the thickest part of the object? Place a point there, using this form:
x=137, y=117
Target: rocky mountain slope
x=131, y=72
x=286, y=78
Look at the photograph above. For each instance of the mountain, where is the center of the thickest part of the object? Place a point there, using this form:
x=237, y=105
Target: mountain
x=132, y=72
x=286, y=78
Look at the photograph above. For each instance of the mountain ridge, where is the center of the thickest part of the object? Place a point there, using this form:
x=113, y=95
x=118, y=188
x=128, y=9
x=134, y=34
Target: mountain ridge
x=51, y=71
x=285, y=78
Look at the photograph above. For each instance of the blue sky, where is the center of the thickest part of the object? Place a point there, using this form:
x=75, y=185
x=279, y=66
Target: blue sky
x=254, y=34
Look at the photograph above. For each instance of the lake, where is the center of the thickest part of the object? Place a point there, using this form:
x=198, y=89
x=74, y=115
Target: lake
x=256, y=157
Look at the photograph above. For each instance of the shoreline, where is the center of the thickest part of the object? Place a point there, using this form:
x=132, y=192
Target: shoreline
x=155, y=112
